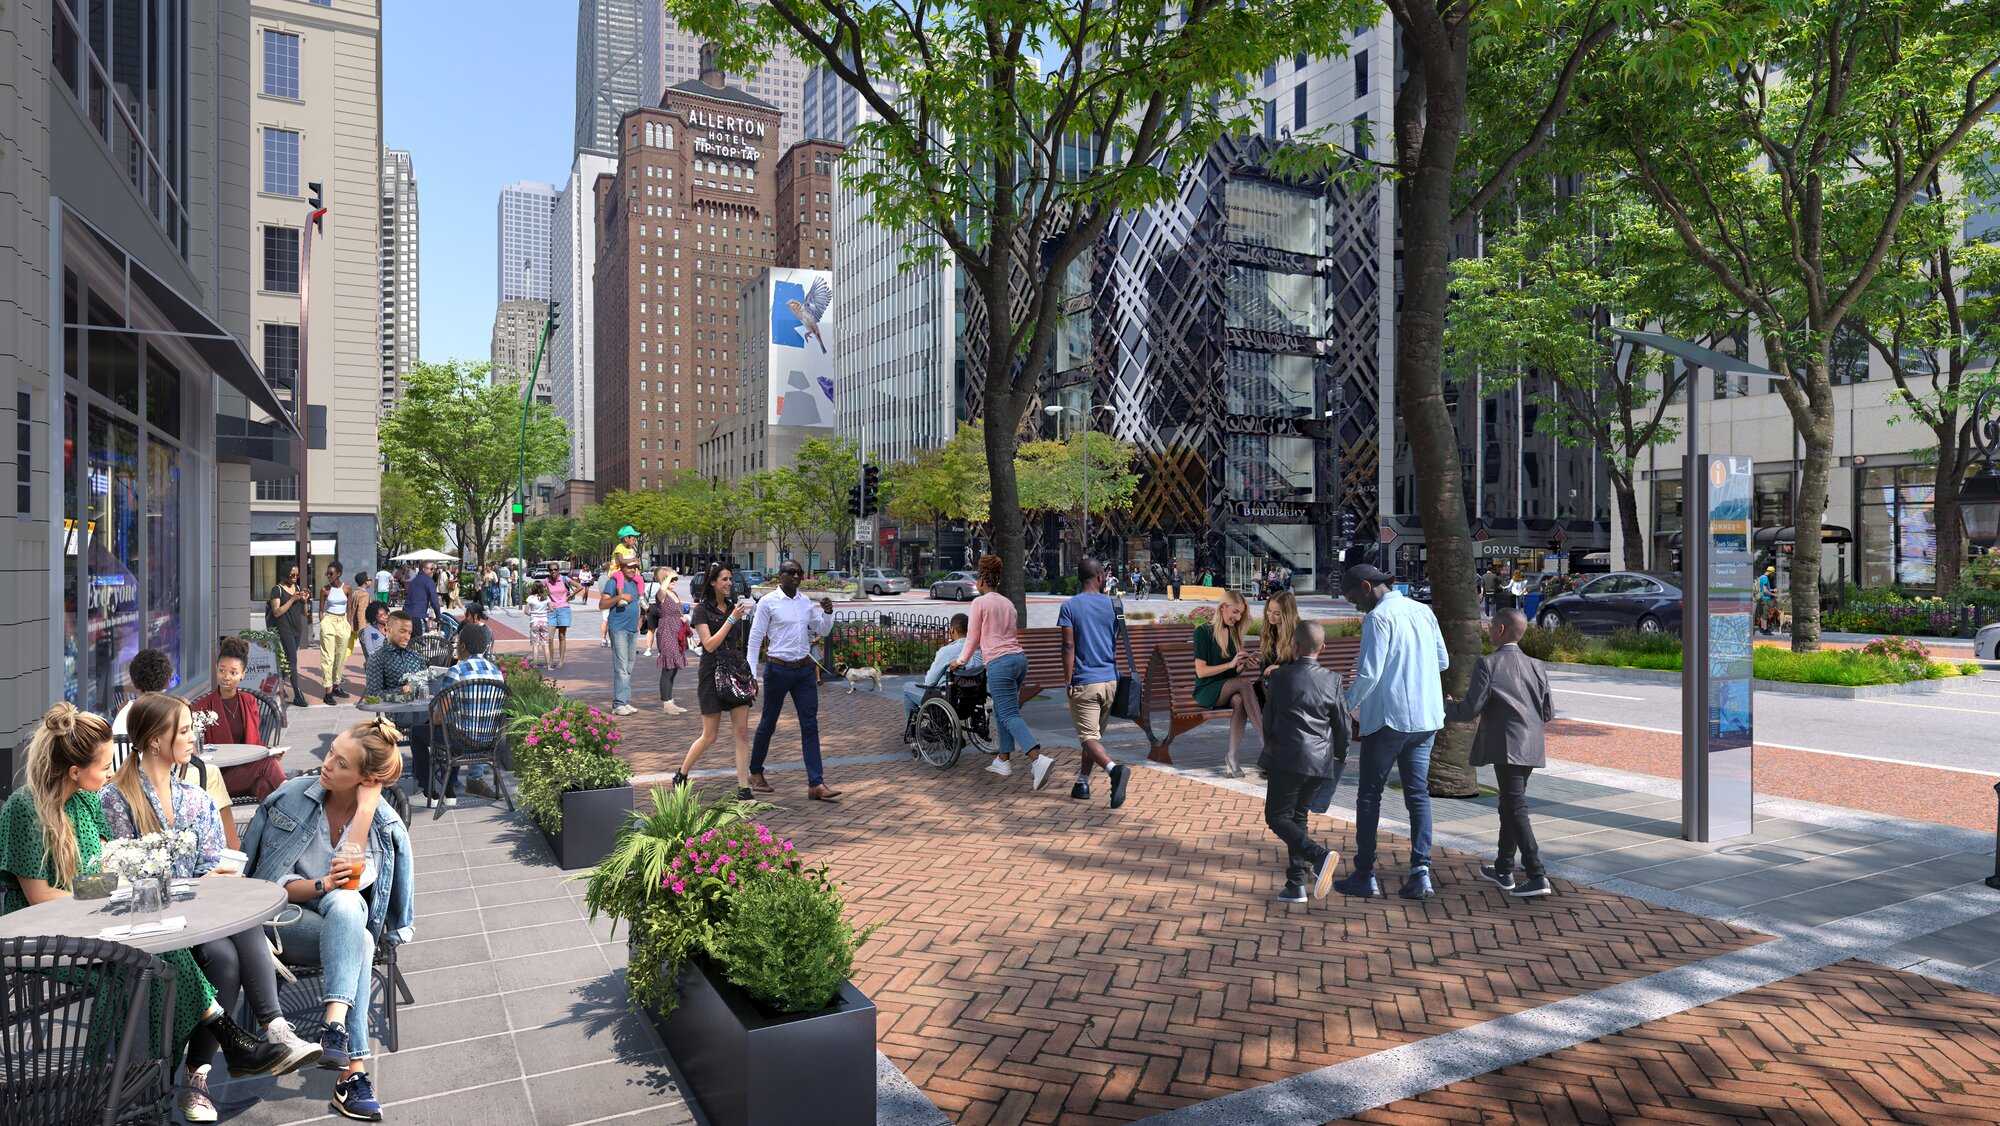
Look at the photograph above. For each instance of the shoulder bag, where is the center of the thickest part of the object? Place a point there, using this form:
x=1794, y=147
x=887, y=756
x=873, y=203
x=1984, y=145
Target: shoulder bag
x=1128, y=701
x=734, y=686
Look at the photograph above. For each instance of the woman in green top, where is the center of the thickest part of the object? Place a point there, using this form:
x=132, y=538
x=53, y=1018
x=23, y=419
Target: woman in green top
x=53, y=829
x=1224, y=675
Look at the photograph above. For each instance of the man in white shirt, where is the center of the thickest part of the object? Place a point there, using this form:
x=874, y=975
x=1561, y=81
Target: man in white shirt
x=790, y=622
x=382, y=586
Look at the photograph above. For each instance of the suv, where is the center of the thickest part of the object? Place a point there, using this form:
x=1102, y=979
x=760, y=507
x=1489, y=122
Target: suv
x=877, y=580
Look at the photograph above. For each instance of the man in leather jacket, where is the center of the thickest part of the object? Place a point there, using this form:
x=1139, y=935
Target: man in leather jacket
x=1305, y=738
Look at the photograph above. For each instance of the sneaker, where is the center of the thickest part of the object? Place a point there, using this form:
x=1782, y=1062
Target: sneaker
x=1531, y=887
x=1362, y=884
x=1498, y=877
x=451, y=803
x=1038, y=772
x=672, y=708
x=1417, y=885
x=1293, y=893
x=333, y=1048
x=193, y=1101
x=1121, y=777
x=624, y=709
x=425, y=801
x=1323, y=879
x=1080, y=790
x=1001, y=767
x=354, y=1097
x=299, y=1051
x=246, y=1054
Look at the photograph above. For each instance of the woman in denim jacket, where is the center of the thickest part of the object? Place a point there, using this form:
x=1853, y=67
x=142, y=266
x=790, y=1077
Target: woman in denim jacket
x=347, y=906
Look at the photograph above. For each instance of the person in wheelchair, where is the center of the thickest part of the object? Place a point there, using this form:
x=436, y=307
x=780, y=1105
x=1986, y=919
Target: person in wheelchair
x=940, y=672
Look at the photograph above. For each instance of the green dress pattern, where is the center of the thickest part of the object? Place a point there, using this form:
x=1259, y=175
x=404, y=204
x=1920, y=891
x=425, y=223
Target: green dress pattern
x=23, y=854
x=1208, y=689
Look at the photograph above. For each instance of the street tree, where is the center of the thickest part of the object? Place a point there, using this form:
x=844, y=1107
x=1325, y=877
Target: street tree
x=1078, y=478
x=828, y=468
x=779, y=505
x=1787, y=160
x=411, y=517
x=458, y=434
x=1010, y=132
x=947, y=482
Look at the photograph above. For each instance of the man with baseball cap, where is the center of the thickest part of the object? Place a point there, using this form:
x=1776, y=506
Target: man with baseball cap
x=1398, y=699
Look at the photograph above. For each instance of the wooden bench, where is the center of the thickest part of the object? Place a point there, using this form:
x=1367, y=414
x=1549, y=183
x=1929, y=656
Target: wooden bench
x=1170, y=689
x=1044, y=647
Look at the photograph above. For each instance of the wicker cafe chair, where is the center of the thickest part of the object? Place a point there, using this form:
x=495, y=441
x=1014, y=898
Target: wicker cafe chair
x=452, y=746
x=79, y=1041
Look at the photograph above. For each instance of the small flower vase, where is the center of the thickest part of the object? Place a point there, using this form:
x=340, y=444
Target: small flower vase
x=147, y=896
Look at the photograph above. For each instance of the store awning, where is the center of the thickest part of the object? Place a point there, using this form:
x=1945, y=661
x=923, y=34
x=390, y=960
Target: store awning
x=262, y=548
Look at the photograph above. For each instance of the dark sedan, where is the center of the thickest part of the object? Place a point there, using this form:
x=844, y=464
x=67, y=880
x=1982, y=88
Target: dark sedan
x=1619, y=600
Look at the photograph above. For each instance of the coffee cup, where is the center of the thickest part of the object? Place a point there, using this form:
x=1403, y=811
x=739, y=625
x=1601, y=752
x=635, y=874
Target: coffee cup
x=230, y=860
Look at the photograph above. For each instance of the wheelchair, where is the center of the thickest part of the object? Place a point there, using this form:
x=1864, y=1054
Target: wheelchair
x=950, y=716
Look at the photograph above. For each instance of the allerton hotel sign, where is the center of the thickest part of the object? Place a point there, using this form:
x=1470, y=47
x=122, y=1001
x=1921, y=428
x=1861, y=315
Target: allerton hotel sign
x=727, y=136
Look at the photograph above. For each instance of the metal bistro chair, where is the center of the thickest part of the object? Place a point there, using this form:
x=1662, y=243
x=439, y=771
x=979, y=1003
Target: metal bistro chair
x=77, y=1046
x=453, y=746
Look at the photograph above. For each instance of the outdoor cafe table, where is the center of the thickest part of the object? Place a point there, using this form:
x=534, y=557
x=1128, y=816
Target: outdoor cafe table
x=413, y=710
x=221, y=906
x=222, y=756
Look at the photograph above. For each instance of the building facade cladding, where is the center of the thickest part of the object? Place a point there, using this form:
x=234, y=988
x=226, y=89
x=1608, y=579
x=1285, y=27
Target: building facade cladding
x=573, y=269
x=805, y=204
x=525, y=214
x=316, y=115
x=517, y=333
x=688, y=218
x=609, y=82
x=402, y=313
x=670, y=56
x=126, y=375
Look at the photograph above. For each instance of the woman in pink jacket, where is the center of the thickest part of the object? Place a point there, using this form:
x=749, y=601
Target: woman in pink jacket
x=991, y=634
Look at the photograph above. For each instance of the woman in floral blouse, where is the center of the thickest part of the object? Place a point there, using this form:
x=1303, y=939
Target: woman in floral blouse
x=162, y=731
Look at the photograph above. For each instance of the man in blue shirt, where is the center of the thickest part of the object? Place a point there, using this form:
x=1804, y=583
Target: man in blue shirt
x=1398, y=700
x=476, y=710
x=420, y=597
x=1089, y=623
x=913, y=694
x=619, y=599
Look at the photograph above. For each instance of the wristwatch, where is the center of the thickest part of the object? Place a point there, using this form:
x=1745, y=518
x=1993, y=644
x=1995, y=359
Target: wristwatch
x=319, y=886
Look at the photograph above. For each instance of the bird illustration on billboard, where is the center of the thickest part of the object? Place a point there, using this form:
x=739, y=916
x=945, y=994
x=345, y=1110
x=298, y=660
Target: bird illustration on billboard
x=812, y=309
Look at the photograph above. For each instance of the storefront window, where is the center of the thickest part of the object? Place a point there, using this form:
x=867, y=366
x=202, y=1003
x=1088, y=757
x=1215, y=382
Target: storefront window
x=1257, y=548
x=72, y=539
x=1262, y=213
x=1268, y=384
x=1774, y=500
x=1898, y=533
x=163, y=554
x=111, y=558
x=1269, y=468
x=1666, y=523
x=1268, y=301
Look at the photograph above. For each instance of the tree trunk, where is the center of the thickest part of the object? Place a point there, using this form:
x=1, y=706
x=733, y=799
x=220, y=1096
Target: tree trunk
x=1426, y=206
x=1628, y=520
x=1005, y=522
x=1817, y=471
x=1944, y=504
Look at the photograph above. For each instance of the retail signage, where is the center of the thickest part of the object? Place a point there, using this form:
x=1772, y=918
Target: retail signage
x=1487, y=549
x=728, y=136
x=1273, y=510
x=1731, y=592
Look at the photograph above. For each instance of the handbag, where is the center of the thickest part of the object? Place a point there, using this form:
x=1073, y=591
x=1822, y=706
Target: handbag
x=734, y=686
x=1128, y=700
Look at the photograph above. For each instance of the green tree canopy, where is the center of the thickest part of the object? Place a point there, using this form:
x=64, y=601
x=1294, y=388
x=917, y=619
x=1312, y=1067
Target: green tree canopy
x=456, y=433
x=779, y=505
x=411, y=517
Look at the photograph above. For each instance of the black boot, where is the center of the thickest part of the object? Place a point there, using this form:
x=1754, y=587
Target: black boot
x=246, y=1054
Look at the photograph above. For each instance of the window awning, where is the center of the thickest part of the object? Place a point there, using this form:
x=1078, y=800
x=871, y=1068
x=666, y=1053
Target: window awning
x=262, y=548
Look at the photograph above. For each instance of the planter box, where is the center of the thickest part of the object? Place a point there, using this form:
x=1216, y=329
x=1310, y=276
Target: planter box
x=750, y=1068
x=591, y=820
x=1780, y=687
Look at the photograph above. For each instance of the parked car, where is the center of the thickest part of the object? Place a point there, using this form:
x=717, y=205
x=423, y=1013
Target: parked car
x=837, y=576
x=1619, y=600
x=747, y=579
x=1986, y=643
x=962, y=586
x=879, y=580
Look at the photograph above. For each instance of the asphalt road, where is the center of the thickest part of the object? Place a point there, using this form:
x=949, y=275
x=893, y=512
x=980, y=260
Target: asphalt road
x=1959, y=727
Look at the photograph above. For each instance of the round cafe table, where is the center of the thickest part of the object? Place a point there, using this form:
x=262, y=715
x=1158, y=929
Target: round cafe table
x=400, y=709
x=221, y=906
x=222, y=756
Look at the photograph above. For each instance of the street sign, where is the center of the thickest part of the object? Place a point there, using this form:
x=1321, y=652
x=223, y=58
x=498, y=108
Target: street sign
x=1388, y=534
x=1560, y=535
x=1718, y=678
x=1481, y=532
x=864, y=532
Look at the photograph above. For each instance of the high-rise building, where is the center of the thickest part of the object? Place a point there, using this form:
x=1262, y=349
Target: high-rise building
x=608, y=64
x=805, y=204
x=317, y=117
x=517, y=332
x=401, y=312
x=127, y=371
x=688, y=219
x=671, y=56
x=572, y=351
x=525, y=215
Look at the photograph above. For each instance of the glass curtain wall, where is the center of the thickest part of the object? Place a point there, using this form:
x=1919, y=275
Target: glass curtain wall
x=1898, y=535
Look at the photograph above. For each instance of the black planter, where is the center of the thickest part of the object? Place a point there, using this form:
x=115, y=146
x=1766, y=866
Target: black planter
x=750, y=1068
x=591, y=820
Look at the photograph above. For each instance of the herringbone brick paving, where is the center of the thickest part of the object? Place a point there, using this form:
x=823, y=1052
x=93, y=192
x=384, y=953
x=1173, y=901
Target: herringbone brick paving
x=1851, y=1043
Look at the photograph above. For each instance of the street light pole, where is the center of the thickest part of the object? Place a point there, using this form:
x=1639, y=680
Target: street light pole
x=301, y=413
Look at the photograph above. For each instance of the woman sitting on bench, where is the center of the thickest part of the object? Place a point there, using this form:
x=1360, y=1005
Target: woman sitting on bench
x=1224, y=675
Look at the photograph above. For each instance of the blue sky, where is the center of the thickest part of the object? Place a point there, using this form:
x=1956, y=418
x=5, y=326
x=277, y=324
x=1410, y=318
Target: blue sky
x=481, y=96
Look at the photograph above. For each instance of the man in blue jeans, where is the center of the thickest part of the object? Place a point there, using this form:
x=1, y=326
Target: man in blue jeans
x=619, y=599
x=1398, y=701
x=790, y=622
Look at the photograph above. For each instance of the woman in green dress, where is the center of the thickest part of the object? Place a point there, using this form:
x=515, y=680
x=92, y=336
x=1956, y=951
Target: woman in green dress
x=52, y=830
x=1225, y=676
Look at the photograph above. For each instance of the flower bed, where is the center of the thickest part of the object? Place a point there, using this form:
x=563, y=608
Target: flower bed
x=891, y=648
x=568, y=749
x=1884, y=661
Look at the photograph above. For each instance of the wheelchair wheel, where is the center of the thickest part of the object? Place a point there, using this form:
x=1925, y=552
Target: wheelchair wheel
x=940, y=737
x=979, y=732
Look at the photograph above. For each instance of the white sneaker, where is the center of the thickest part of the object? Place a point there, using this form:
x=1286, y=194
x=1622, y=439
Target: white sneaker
x=451, y=803
x=672, y=708
x=625, y=709
x=1038, y=771
x=298, y=1052
x=1001, y=767
x=193, y=1101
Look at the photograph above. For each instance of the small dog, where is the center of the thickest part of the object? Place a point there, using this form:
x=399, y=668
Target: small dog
x=855, y=677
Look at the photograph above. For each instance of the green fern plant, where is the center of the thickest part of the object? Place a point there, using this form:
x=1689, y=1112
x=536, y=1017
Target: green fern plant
x=630, y=878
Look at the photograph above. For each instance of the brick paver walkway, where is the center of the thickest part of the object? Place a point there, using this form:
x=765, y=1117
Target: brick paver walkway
x=1850, y=1043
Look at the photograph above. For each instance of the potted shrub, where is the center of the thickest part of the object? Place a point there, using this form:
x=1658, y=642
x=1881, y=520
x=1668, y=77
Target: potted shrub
x=577, y=790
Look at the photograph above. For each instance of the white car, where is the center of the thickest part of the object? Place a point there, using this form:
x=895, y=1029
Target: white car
x=1986, y=643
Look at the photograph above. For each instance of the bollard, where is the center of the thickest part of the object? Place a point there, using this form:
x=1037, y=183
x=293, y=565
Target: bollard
x=1993, y=881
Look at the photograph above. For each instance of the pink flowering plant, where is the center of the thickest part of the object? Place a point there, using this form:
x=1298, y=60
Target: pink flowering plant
x=568, y=749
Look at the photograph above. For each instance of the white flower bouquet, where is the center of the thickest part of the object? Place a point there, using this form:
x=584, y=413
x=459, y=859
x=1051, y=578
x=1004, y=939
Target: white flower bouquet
x=148, y=857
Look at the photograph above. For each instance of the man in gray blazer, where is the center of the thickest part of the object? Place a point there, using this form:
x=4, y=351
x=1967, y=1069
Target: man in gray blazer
x=1509, y=696
x=1305, y=740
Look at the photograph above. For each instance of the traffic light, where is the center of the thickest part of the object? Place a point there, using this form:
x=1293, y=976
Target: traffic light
x=316, y=203
x=854, y=501
x=555, y=317
x=871, y=489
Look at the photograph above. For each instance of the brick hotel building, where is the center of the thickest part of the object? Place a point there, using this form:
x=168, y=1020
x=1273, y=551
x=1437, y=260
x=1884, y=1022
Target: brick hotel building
x=689, y=217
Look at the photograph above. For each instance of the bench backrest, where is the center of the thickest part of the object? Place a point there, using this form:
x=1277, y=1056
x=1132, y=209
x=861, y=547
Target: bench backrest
x=1176, y=665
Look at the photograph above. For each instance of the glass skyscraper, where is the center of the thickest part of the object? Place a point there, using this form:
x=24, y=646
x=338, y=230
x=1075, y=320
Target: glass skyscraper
x=526, y=213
